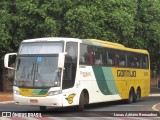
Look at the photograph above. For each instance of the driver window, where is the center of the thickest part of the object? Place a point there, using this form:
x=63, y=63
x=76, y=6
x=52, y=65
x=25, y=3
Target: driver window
x=70, y=65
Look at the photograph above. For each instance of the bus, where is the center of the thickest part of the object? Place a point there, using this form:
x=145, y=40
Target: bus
x=60, y=72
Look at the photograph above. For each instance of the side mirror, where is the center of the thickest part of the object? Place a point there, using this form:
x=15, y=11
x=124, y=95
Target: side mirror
x=6, y=60
x=61, y=58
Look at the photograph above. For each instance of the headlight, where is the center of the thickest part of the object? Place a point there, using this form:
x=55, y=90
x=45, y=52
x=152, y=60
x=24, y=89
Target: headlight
x=16, y=92
x=51, y=93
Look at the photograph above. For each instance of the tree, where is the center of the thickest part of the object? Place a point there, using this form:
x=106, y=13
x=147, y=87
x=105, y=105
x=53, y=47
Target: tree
x=147, y=30
x=134, y=23
x=111, y=20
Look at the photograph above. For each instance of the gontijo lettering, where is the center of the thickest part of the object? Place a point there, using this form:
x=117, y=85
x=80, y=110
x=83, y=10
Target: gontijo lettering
x=126, y=73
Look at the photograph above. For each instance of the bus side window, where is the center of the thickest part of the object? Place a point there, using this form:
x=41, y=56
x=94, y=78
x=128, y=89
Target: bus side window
x=90, y=49
x=82, y=60
x=136, y=62
x=83, y=54
x=144, y=61
x=130, y=60
x=133, y=60
x=98, y=62
x=116, y=59
x=110, y=58
x=110, y=62
x=98, y=56
x=86, y=55
x=104, y=56
x=70, y=65
x=122, y=59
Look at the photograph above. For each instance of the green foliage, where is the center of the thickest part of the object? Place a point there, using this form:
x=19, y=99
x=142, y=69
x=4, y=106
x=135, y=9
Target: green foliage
x=84, y=22
x=5, y=27
x=134, y=23
x=111, y=20
x=147, y=30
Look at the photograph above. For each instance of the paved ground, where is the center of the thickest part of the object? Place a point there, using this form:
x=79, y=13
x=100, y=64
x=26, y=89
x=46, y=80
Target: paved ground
x=155, y=90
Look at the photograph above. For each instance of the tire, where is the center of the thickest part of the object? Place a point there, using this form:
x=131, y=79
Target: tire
x=137, y=96
x=81, y=102
x=42, y=108
x=131, y=96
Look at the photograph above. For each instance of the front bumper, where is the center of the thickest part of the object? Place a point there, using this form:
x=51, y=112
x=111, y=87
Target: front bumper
x=39, y=101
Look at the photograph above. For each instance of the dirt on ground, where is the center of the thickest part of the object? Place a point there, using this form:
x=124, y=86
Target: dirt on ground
x=6, y=96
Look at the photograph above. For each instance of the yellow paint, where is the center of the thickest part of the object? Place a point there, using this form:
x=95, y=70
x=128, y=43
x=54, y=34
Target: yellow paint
x=29, y=92
x=113, y=45
x=70, y=98
x=124, y=83
x=25, y=91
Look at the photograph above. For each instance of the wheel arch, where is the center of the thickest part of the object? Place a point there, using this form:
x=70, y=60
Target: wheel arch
x=132, y=88
x=86, y=96
x=138, y=88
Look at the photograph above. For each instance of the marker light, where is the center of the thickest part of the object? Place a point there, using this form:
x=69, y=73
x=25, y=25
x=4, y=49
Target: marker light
x=17, y=92
x=51, y=93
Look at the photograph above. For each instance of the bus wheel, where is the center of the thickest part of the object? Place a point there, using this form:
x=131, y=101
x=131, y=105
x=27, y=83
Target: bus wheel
x=42, y=108
x=137, y=95
x=131, y=96
x=81, y=102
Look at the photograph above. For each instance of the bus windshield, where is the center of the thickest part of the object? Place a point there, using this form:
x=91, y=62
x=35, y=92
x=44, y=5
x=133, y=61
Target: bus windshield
x=37, y=64
x=39, y=71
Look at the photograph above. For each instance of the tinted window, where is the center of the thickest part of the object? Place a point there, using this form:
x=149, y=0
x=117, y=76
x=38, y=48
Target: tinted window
x=70, y=65
x=90, y=55
x=86, y=54
x=121, y=59
x=98, y=55
x=72, y=50
x=145, y=61
x=104, y=56
x=110, y=57
x=133, y=60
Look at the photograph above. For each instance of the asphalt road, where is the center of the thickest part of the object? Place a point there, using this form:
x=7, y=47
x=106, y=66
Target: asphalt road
x=146, y=105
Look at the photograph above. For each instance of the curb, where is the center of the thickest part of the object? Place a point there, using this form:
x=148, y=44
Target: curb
x=154, y=95
x=6, y=102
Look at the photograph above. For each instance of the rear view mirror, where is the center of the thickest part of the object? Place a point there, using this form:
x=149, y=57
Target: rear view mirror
x=6, y=60
x=61, y=58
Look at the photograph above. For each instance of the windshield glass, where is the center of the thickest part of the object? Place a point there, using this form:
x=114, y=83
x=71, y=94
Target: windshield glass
x=39, y=71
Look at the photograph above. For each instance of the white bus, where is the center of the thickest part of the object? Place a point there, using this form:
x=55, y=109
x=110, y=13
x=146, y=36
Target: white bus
x=63, y=72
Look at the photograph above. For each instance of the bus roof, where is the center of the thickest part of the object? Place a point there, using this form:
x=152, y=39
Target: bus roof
x=51, y=39
x=106, y=42
x=95, y=42
x=113, y=45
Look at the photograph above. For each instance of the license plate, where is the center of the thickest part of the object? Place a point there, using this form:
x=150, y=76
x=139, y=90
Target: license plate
x=33, y=101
